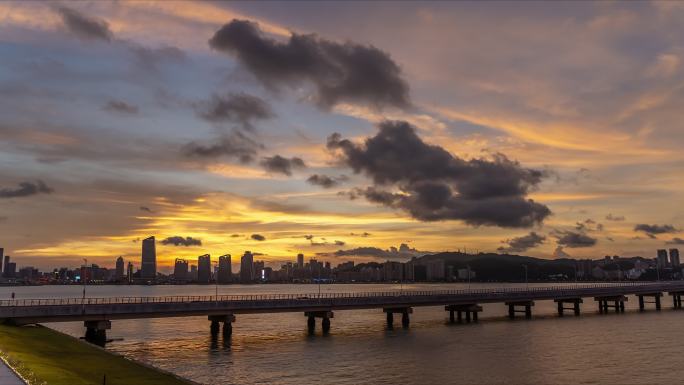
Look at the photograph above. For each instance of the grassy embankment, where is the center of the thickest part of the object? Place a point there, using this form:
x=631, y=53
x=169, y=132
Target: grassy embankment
x=44, y=356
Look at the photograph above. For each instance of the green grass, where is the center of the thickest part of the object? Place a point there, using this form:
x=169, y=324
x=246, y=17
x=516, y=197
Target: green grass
x=45, y=356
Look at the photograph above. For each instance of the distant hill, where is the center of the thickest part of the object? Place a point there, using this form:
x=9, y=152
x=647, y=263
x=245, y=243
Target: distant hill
x=508, y=267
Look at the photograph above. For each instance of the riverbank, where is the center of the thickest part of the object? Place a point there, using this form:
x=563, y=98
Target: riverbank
x=44, y=356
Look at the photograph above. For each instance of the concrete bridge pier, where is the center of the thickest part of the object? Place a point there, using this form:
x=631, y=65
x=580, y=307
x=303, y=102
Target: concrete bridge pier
x=575, y=305
x=458, y=310
x=618, y=303
x=656, y=300
x=96, y=331
x=526, y=305
x=676, y=299
x=311, y=316
x=225, y=319
x=404, y=311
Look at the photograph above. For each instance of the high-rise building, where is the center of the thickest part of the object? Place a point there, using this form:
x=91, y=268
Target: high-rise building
x=393, y=271
x=2, y=259
x=180, y=270
x=7, y=269
x=5, y=262
x=193, y=272
x=247, y=267
x=661, y=260
x=149, y=259
x=120, y=268
x=225, y=270
x=300, y=260
x=11, y=269
x=674, y=258
x=204, y=268
x=129, y=272
x=258, y=270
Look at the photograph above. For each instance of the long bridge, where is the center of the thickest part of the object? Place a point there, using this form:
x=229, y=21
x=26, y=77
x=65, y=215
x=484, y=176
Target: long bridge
x=97, y=313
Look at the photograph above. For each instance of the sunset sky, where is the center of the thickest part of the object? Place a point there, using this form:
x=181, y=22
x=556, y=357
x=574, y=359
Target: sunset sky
x=339, y=129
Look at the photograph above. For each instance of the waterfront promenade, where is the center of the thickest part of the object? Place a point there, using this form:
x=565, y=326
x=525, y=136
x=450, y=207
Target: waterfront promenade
x=462, y=305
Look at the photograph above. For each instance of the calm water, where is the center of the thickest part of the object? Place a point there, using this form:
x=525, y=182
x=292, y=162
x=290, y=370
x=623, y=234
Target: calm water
x=630, y=348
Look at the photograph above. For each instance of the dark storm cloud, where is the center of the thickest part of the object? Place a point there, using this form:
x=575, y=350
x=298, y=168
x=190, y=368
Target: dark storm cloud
x=281, y=165
x=523, y=243
x=258, y=237
x=241, y=108
x=234, y=145
x=121, y=107
x=676, y=241
x=434, y=185
x=652, y=230
x=615, y=218
x=85, y=26
x=340, y=72
x=145, y=208
x=26, y=189
x=326, y=181
x=574, y=239
x=180, y=241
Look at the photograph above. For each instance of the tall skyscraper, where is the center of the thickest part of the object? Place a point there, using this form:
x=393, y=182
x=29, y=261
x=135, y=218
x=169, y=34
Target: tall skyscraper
x=6, y=267
x=661, y=260
x=300, y=260
x=129, y=272
x=247, y=268
x=5, y=260
x=674, y=258
x=204, y=268
x=180, y=270
x=120, y=274
x=225, y=270
x=149, y=259
x=258, y=270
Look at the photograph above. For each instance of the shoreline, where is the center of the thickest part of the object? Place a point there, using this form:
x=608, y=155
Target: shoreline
x=341, y=283
x=41, y=355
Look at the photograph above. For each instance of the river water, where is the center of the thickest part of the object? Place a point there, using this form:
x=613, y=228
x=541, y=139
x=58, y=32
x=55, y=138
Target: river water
x=629, y=348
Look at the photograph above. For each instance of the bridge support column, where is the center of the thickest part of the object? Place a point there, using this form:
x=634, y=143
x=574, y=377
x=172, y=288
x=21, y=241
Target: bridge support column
x=575, y=305
x=96, y=331
x=676, y=299
x=656, y=300
x=405, y=318
x=617, y=300
x=469, y=309
x=217, y=320
x=325, y=315
x=526, y=305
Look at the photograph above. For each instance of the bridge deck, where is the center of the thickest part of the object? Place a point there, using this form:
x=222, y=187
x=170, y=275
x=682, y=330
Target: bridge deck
x=24, y=311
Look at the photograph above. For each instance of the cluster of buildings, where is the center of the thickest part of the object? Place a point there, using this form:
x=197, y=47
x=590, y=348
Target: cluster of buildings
x=610, y=268
x=203, y=270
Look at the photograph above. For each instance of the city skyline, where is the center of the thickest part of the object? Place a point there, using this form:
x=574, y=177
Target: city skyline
x=448, y=266
x=125, y=119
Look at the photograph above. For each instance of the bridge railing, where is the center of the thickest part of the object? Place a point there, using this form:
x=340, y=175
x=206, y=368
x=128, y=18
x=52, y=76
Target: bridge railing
x=557, y=290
